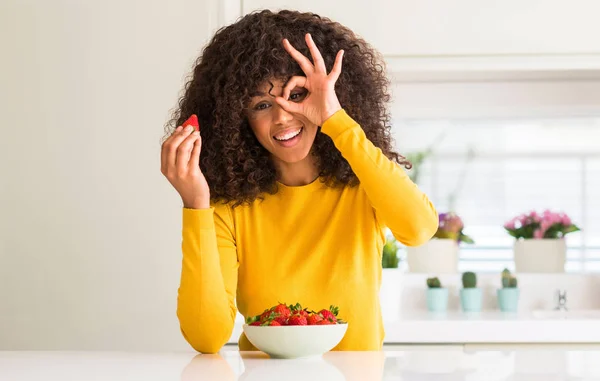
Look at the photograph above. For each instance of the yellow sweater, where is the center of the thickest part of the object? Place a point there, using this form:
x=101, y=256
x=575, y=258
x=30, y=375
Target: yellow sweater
x=309, y=244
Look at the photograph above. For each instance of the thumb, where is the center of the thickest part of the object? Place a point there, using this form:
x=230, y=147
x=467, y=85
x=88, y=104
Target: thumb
x=288, y=106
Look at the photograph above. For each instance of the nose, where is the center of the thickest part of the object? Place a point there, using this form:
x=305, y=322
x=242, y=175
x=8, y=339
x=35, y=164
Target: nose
x=282, y=116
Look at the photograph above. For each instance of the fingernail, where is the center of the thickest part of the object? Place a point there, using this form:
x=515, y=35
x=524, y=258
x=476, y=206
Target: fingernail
x=178, y=128
x=189, y=129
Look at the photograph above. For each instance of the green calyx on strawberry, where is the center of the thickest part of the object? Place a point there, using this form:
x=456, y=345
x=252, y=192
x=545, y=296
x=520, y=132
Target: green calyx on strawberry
x=250, y=320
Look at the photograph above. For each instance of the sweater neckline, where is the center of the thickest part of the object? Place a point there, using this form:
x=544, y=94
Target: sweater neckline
x=315, y=184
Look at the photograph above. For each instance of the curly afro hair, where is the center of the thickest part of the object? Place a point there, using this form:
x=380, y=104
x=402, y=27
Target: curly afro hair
x=243, y=56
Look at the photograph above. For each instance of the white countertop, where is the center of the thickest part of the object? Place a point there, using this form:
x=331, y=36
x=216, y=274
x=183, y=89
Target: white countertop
x=456, y=327
x=495, y=327
x=436, y=363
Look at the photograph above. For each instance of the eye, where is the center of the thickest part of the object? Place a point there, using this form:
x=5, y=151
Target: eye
x=297, y=96
x=261, y=106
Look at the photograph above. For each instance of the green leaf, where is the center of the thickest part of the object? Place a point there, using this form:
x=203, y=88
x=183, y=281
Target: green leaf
x=295, y=307
x=466, y=238
x=252, y=319
x=334, y=310
x=571, y=229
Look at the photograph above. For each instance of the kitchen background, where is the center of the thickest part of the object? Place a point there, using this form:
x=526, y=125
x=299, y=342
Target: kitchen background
x=500, y=99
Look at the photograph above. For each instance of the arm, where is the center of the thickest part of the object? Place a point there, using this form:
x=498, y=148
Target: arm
x=398, y=202
x=206, y=296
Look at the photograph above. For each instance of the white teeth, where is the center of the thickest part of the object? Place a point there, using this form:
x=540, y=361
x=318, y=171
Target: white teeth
x=289, y=135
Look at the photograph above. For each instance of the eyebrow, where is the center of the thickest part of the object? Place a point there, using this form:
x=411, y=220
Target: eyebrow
x=258, y=93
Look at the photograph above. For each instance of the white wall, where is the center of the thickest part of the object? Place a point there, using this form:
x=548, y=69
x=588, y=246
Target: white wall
x=90, y=245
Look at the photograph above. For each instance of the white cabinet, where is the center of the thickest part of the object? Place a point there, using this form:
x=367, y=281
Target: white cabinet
x=462, y=27
x=464, y=39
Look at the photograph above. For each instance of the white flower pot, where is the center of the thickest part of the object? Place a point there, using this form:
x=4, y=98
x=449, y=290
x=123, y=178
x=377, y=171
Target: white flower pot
x=390, y=294
x=436, y=256
x=546, y=255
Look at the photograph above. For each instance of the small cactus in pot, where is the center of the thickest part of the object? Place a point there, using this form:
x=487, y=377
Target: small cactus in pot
x=470, y=294
x=437, y=296
x=469, y=280
x=508, y=295
x=508, y=280
x=434, y=282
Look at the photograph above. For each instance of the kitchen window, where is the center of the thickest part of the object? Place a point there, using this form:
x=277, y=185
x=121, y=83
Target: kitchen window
x=495, y=165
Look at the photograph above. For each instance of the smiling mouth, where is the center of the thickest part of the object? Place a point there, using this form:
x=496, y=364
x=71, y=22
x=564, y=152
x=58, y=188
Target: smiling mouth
x=289, y=136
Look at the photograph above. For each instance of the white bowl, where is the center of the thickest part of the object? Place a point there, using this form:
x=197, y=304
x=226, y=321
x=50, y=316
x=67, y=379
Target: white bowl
x=294, y=341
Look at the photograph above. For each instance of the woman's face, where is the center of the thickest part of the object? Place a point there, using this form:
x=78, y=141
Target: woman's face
x=286, y=136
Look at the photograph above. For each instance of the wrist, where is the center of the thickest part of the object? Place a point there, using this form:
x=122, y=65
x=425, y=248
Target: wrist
x=329, y=113
x=202, y=203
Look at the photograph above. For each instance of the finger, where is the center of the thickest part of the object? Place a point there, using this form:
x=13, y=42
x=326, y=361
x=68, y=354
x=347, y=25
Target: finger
x=174, y=146
x=195, y=161
x=337, y=66
x=292, y=107
x=316, y=54
x=295, y=81
x=305, y=64
x=164, y=150
x=184, y=152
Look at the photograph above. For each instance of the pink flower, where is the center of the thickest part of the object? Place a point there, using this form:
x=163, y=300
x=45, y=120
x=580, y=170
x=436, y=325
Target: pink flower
x=544, y=226
x=555, y=218
x=539, y=225
x=547, y=215
x=451, y=227
x=534, y=216
x=565, y=220
x=522, y=220
x=552, y=218
x=510, y=224
x=451, y=223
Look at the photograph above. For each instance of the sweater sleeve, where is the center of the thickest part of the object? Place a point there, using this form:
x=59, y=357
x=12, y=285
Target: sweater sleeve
x=398, y=203
x=206, y=296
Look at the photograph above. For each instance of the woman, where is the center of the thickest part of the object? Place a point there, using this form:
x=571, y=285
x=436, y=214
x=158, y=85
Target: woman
x=292, y=181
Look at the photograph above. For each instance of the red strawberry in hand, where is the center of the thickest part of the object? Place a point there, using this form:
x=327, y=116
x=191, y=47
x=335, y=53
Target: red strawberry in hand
x=192, y=121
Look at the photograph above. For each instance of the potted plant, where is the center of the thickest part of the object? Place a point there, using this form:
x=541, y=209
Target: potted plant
x=540, y=241
x=389, y=257
x=437, y=296
x=439, y=254
x=470, y=294
x=508, y=295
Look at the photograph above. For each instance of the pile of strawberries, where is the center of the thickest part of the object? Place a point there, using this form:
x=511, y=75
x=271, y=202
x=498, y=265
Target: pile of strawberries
x=283, y=314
